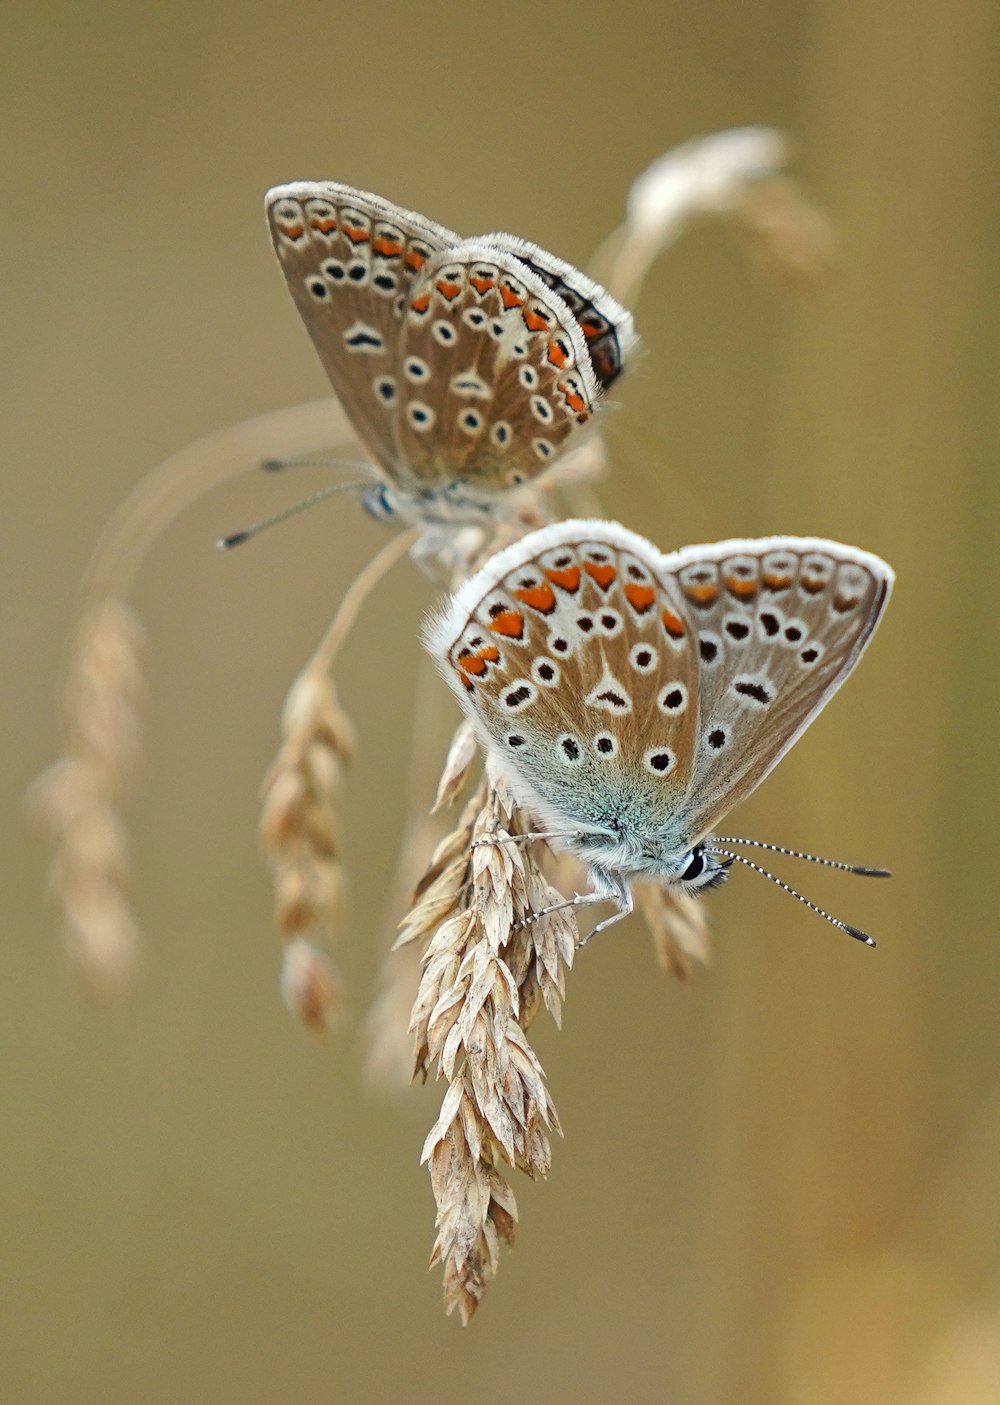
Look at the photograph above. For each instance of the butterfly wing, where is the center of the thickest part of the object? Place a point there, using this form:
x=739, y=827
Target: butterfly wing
x=350, y=259
x=778, y=624
x=607, y=327
x=559, y=653
x=495, y=377
x=464, y=367
x=631, y=692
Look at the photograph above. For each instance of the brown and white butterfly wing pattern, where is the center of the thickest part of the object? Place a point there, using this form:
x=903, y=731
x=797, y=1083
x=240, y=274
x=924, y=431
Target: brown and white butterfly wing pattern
x=607, y=327
x=465, y=367
x=559, y=652
x=494, y=376
x=779, y=624
x=644, y=695
x=349, y=259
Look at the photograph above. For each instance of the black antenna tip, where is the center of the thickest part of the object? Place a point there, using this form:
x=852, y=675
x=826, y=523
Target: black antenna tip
x=872, y=872
x=858, y=935
x=234, y=539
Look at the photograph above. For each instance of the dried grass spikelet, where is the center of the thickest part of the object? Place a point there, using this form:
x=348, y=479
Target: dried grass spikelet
x=677, y=922
x=458, y=766
x=734, y=175
x=298, y=830
x=298, y=822
x=77, y=800
x=791, y=238
x=484, y=979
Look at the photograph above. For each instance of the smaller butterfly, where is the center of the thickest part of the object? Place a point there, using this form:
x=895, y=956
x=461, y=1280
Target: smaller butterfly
x=466, y=367
x=633, y=698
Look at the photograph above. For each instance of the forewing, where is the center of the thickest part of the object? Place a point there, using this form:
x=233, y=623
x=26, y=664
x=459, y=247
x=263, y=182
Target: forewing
x=495, y=379
x=565, y=663
x=778, y=624
x=350, y=259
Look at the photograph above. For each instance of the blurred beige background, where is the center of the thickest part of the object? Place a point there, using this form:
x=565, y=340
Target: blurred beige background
x=780, y=1186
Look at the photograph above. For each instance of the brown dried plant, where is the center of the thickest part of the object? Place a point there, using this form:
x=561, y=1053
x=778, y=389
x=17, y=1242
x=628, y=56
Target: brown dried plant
x=676, y=921
x=487, y=969
x=79, y=799
x=737, y=176
x=298, y=823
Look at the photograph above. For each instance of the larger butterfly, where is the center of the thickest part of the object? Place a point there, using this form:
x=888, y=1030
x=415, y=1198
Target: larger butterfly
x=633, y=698
x=466, y=367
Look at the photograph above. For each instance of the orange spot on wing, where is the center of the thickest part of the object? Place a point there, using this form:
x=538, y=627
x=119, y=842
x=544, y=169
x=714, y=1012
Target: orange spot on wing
x=673, y=625
x=468, y=683
x=573, y=399
x=388, y=248
x=702, y=594
x=482, y=285
x=774, y=581
x=471, y=663
x=640, y=597
x=415, y=259
x=510, y=623
x=534, y=321
x=356, y=235
x=324, y=225
x=489, y=653
x=539, y=597
x=556, y=354
x=509, y=298
x=590, y=331
x=294, y=231
x=603, y=575
x=812, y=584
x=421, y=303
x=741, y=587
x=448, y=289
x=567, y=579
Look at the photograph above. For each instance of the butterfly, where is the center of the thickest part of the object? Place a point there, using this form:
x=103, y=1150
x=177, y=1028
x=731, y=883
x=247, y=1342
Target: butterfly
x=633, y=698
x=465, y=366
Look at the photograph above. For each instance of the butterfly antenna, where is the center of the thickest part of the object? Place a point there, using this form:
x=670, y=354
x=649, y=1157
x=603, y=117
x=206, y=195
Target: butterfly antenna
x=312, y=461
x=854, y=932
x=237, y=538
x=863, y=869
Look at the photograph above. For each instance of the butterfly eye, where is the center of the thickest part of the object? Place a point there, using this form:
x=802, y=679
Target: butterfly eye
x=695, y=867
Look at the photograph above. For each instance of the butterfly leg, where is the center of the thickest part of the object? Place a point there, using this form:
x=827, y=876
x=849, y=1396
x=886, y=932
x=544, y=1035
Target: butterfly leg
x=623, y=897
x=535, y=834
x=620, y=894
